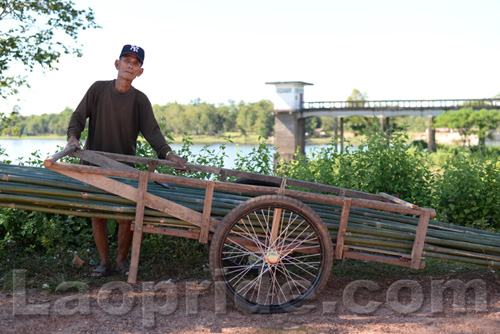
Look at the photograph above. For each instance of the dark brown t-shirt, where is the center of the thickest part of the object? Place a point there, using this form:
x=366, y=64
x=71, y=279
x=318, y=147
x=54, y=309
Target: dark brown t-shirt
x=115, y=120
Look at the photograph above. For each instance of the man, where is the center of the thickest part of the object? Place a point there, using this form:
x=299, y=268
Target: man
x=117, y=112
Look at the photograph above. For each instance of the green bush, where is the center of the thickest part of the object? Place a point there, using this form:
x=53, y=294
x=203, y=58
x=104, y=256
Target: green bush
x=51, y=233
x=380, y=164
x=260, y=160
x=468, y=190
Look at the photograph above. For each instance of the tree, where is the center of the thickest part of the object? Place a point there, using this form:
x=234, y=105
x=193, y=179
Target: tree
x=357, y=99
x=264, y=124
x=486, y=121
x=467, y=121
x=31, y=35
x=10, y=125
x=359, y=124
x=459, y=120
x=312, y=123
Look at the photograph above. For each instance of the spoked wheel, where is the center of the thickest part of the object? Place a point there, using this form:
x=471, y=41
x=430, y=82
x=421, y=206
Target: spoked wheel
x=271, y=253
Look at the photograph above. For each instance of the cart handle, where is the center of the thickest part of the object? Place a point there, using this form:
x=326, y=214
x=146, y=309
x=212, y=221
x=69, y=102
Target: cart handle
x=61, y=154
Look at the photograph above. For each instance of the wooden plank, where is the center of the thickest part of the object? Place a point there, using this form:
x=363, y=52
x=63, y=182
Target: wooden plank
x=130, y=193
x=242, y=174
x=61, y=154
x=138, y=222
x=223, y=175
x=398, y=200
x=101, y=160
x=403, y=256
x=275, y=227
x=178, y=211
x=226, y=186
x=380, y=258
x=339, y=247
x=207, y=211
x=92, y=170
x=152, y=165
x=418, y=245
x=61, y=166
x=171, y=231
x=284, y=249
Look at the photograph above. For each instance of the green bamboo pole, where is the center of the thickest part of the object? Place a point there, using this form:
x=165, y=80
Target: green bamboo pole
x=385, y=231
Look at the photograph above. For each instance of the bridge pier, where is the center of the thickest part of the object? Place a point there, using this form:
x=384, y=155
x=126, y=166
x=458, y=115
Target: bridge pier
x=290, y=129
x=336, y=131
x=431, y=135
x=289, y=134
x=385, y=123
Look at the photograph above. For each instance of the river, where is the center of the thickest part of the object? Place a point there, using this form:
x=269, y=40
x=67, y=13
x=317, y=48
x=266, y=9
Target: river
x=17, y=150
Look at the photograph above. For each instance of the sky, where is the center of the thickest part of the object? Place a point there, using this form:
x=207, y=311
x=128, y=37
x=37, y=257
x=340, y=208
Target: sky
x=226, y=50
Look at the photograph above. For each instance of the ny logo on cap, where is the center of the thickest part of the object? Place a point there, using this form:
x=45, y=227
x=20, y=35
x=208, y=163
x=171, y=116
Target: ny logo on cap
x=134, y=48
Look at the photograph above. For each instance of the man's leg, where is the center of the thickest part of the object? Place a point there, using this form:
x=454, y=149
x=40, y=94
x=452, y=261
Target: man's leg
x=100, y=233
x=124, y=241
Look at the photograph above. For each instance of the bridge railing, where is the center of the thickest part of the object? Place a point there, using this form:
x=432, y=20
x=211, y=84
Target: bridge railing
x=403, y=104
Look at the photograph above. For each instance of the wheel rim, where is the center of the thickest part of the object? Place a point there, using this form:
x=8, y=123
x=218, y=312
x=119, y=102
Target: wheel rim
x=271, y=257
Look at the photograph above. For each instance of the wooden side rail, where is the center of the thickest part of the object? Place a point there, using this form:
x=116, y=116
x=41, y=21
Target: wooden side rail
x=85, y=155
x=203, y=224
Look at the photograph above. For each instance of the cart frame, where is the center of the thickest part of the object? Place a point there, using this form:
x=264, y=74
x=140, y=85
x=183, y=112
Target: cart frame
x=204, y=226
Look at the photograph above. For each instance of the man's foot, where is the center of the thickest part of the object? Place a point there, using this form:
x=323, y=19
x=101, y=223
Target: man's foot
x=123, y=269
x=101, y=271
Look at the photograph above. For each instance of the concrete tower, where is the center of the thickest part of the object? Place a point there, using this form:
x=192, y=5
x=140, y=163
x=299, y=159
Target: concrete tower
x=289, y=126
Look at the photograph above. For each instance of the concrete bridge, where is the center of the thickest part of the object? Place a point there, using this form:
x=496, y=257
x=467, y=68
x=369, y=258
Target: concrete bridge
x=291, y=112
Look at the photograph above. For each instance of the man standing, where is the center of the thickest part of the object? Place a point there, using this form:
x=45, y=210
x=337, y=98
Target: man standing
x=117, y=112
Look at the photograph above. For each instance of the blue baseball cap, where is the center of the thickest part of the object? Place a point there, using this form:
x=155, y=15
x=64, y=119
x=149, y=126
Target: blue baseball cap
x=135, y=50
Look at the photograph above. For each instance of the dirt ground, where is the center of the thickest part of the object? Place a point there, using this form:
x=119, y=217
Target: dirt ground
x=411, y=305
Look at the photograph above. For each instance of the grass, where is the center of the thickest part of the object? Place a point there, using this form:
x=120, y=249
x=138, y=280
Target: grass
x=364, y=270
x=181, y=259
x=162, y=258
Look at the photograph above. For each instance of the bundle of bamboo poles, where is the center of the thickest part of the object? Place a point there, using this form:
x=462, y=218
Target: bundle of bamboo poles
x=368, y=230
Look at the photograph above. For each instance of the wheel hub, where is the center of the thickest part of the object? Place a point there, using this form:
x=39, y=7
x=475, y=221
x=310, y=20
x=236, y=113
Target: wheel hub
x=272, y=258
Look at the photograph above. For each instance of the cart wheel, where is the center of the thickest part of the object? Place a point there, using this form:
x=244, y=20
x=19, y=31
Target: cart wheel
x=271, y=253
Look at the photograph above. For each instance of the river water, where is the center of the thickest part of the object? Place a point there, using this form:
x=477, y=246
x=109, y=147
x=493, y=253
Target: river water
x=17, y=150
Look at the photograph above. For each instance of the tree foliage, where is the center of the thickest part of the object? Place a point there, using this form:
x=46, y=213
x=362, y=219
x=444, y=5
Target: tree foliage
x=196, y=118
x=360, y=124
x=467, y=190
x=356, y=99
x=199, y=118
x=38, y=32
x=380, y=163
x=468, y=122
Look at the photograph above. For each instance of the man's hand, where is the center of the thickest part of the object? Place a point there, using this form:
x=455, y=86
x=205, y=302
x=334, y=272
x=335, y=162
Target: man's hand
x=177, y=159
x=73, y=141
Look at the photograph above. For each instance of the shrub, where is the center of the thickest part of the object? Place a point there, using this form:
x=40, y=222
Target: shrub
x=381, y=163
x=468, y=190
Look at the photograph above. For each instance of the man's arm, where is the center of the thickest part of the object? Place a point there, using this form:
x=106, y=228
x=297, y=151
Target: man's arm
x=79, y=117
x=151, y=131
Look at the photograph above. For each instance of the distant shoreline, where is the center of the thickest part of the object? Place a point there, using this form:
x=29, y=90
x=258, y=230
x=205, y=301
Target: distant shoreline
x=452, y=139
x=205, y=139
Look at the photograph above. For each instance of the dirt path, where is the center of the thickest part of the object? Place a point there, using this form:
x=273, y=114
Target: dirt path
x=416, y=305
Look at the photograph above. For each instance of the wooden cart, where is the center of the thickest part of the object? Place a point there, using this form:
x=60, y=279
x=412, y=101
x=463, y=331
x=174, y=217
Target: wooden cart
x=270, y=252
